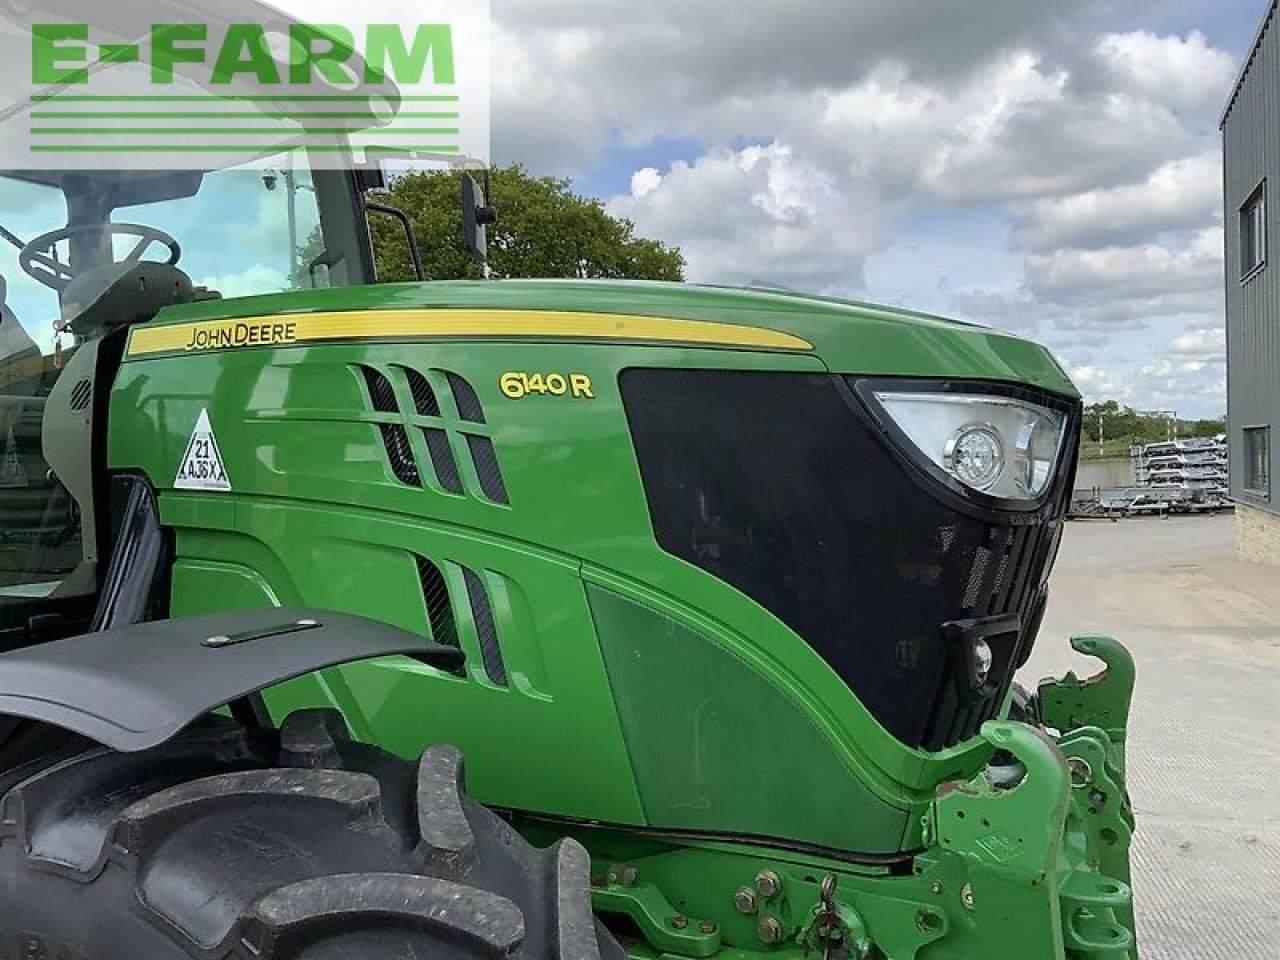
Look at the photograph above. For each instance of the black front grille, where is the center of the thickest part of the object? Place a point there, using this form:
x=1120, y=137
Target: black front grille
x=780, y=484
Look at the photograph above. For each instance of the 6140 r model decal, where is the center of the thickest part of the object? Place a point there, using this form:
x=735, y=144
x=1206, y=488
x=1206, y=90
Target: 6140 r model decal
x=517, y=385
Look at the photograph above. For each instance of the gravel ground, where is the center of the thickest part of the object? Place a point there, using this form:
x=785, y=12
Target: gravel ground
x=1204, y=765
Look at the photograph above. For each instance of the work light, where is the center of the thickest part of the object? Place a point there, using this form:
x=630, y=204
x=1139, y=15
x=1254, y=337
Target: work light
x=1001, y=446
x=981, y=659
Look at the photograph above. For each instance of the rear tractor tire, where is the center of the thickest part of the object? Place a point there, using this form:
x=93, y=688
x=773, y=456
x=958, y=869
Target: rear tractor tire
x=298, y=844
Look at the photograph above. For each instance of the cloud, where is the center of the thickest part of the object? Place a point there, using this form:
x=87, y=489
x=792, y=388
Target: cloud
x=756, y=214
x=1013, y=129
x=254, y=279
x=543, y=113
x=1187, y=387
x=1183, y=73
x=1014, y=311
x=1022, y=129
x=1205, y=343
x=1179, y=195
x=1097, y=382
x=568, y=79
x=1124, y=284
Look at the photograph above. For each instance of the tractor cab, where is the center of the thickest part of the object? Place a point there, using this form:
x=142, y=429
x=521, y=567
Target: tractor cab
x=83, y=256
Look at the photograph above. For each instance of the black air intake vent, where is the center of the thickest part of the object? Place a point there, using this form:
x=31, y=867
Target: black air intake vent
x=380, y=391
x=395, y=439
x=424, y=398
x=487, y=470
x=435, y=595
x=400, y=454
x=464, y=395
x=996, y=582
x=486, y=629
x=440, y=614
x=437, y=434
x=442, y=461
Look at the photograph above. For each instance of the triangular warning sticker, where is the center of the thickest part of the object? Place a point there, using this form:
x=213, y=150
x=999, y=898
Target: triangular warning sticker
x=11, y=472
x=201, y=467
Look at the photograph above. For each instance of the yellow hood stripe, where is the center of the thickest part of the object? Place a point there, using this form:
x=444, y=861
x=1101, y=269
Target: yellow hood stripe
x=289, y=329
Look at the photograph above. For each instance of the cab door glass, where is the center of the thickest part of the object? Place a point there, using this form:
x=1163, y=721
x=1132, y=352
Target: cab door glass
x=40, y=524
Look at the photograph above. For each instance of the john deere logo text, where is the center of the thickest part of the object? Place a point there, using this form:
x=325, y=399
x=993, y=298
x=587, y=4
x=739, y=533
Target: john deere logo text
x=303, y=54
x=242, y=335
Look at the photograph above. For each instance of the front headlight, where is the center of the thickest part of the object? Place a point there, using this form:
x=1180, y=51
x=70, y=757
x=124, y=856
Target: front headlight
x=999, y=446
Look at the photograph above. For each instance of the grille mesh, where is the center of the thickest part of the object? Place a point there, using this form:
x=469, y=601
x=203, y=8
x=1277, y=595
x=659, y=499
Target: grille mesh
x=464, y=396
x=424, y=398
x=439, y=446
x=487, y=470
x=486, y=629
x=435, y=594
x=442, y=461
x=380, y=391
x=399, y=453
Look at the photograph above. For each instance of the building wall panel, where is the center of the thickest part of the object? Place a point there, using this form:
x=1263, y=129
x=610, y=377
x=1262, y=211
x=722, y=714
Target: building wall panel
x=1251, y=149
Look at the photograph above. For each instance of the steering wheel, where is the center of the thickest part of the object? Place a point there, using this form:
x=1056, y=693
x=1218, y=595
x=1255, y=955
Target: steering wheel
x=39, y=258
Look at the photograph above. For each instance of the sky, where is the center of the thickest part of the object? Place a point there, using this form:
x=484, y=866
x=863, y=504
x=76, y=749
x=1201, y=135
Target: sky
x=1049, y=167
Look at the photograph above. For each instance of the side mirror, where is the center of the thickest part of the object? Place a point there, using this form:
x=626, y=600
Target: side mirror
x=369, y=176
x=476, y=216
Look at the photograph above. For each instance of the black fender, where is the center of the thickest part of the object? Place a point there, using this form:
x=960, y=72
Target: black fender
x=134, y=687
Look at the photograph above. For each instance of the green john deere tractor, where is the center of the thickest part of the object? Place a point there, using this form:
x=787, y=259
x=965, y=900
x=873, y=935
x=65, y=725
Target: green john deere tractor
x=719, y=592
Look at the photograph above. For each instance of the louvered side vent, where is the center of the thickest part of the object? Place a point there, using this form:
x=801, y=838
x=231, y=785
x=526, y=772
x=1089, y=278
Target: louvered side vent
x=442, y=461
x=464, y=396
x=435, y=596
x=424, y=398
x=380, y=391
x=486, y=629
x=400, y=454
x=81, y=394
x=395, y=439
x=487, y=470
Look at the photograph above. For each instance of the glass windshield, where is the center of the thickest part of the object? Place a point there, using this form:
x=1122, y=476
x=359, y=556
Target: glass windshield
x=244, y=232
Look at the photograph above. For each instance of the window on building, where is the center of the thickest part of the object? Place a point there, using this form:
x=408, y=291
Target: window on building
x=1253, y=231
x=1257, y=459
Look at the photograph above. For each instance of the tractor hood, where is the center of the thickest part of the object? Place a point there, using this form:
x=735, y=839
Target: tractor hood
x=847, y=336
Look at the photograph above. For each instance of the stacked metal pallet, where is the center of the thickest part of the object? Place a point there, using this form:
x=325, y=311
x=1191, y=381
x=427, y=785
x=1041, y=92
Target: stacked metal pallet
x=1174, y=476
x=1182, y=474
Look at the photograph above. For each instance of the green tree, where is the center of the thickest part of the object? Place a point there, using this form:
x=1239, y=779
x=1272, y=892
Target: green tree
x=544, y=229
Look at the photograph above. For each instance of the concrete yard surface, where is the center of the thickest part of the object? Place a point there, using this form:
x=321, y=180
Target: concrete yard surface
x=1204, y=735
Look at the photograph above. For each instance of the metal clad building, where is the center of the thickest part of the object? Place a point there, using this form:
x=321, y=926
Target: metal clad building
x=1251, y=182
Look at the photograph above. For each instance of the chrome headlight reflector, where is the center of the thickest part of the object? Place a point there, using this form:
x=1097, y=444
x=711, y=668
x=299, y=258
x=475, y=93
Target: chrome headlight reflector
x=1000, y=446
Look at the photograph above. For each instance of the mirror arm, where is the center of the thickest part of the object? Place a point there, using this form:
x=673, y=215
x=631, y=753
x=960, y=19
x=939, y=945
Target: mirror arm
x=410, y=238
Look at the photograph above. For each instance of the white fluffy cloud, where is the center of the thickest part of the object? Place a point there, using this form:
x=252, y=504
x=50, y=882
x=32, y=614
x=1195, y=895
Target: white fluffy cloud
x=1184, y=73
x=1096, y=381
x=756, y=214
x=1154, y=277
x=256, y=278
x=1179, y=195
